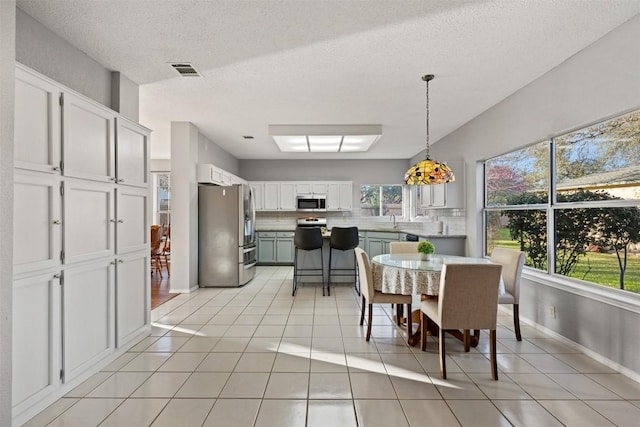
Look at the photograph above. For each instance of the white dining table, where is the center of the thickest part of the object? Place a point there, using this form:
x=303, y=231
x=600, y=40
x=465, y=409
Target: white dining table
x=408, y=274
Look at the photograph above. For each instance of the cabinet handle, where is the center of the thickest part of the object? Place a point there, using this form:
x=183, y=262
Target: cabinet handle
x=121, y=261
x=113, y=178
x=56, y=276
x=57, y=222
x=113, y=220
x=56, y=168
x=121, y=221
x=121, y=180
x=112, y=263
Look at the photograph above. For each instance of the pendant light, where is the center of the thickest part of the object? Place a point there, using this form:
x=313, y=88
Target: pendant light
x=428, y=172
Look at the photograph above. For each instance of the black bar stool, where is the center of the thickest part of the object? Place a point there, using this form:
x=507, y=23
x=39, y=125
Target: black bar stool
x=307, y=239
x=344, y=239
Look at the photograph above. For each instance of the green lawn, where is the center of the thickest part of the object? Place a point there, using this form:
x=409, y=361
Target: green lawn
x=600, y=268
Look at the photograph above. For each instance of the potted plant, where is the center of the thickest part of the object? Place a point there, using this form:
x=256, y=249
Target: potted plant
x=426, y=249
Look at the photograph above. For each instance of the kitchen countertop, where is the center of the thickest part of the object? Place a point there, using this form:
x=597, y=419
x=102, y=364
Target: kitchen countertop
x=386, y=230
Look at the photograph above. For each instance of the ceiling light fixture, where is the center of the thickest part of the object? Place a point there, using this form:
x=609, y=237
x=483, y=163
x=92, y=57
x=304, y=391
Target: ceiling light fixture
x=428, y=172
x=325, y=138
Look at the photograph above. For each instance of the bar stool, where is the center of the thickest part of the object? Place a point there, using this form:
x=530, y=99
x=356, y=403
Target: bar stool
x=307, y=239
x=344, y=239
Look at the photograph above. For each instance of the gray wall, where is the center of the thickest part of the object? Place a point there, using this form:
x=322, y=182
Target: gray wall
x=210, y=153
x=39, y=48
x=600, y=81
x=7, y=83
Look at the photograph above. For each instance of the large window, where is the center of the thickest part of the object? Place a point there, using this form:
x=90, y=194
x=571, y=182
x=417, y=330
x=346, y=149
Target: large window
x=380, y=200
x=572, y=203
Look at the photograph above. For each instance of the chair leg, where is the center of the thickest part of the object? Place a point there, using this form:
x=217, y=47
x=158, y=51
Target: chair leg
x=467, y=340
x=295, y=272
x=424, y=325
x=516, y=321
x=441, y=350
x=364, y=302
x=409, y=321
x=329, y=280
x=398, y=314
x=322, y=270
x=494, y=360
x=369, y=320
x=356, y=273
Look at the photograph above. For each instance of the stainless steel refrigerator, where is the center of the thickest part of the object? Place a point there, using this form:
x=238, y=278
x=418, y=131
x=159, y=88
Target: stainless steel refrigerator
x=226, y=235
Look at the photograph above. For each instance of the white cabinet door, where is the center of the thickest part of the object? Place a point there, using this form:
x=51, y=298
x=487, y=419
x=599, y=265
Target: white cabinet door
x=88, y=140
x=346, y=196
x=304, y=188
x=132, y=296
x=271, y=196
x=87, y=316
x=287, y=196
x=89, y=220
x=37, y=220
x=132, y=231
x=36, y=339
x=439, y=195
x=132, y=153
x=37, y=123
x=258, y=195
x=333, y=196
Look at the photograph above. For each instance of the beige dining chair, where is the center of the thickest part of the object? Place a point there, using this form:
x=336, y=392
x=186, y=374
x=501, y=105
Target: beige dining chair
x=467, y=299
x=370, y=296
x=512, y=262
x=402, y=248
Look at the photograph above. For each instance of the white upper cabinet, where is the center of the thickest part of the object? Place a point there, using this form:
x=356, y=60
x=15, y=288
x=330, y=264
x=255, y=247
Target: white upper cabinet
x=37, y=123
x=311, y=187
x=287, y=196
x=450, y=195
x=37, y=222
x=210, y=174
x=88, y=140
x=346, y=196
x=132, y=153
x=433, y=196
x=258, y=195
x=271, y=196
x=339, y=196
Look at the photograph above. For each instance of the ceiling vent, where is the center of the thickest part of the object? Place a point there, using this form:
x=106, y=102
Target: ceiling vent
x=185, y=69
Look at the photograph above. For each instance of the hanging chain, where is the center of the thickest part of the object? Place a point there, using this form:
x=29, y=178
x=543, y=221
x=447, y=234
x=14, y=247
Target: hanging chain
x=427, y=121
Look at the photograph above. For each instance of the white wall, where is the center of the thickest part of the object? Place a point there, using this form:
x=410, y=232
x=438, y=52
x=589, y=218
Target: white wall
x=125, y=96
x=600, y=81
x=7, y=82
x=184, y=207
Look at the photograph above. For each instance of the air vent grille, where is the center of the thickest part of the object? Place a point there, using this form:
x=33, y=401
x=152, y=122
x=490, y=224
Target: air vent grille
x=185, y=69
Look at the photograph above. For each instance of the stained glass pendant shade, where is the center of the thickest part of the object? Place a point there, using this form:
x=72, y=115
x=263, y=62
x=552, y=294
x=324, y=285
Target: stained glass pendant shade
x=428, y=172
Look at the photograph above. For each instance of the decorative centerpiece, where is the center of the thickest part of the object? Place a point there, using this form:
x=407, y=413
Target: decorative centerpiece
x=426, y=250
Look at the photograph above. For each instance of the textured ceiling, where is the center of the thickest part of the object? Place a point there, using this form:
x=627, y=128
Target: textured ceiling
x=326, y=62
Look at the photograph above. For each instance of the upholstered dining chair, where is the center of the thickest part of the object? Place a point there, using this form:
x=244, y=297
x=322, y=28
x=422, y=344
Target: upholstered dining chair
x=402, y=248
x=512, y=262
x=156, y=248
x=467, y=299
x=370, y=296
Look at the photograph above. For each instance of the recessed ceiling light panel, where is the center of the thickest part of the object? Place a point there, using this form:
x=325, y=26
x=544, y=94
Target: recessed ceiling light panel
x=325, y=138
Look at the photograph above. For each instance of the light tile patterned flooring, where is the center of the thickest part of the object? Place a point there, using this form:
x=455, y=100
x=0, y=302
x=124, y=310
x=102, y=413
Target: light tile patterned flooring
x=255, y=356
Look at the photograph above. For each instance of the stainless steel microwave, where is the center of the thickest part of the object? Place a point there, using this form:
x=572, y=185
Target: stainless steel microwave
x=311, y=203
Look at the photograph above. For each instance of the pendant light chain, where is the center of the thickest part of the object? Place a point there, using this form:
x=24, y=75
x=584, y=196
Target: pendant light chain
x=426, y=79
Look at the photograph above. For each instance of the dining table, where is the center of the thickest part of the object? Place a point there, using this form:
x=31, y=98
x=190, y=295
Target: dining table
x=412, y=274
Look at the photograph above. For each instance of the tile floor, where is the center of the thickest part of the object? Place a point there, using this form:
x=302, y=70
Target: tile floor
x=255, y=356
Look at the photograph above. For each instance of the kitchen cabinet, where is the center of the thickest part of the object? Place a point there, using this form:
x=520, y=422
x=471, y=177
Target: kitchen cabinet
x=37, y=223
x=378, y=242
x=275, y=247
x=287, y=196
x=310, y=187
x=451, y=195
x=81, y=224
x=258, y=195
x=339, y=196
x=132, y=296
x=210, y=174
x=271, y=196
x=132, y=153
x=88, y=144
x=37, y=123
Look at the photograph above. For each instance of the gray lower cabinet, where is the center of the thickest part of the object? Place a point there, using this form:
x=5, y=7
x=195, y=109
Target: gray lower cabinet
x=275, y=247
x=377, y=242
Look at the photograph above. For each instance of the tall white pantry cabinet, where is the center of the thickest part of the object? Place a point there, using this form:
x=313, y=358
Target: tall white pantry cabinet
x=81, y=291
